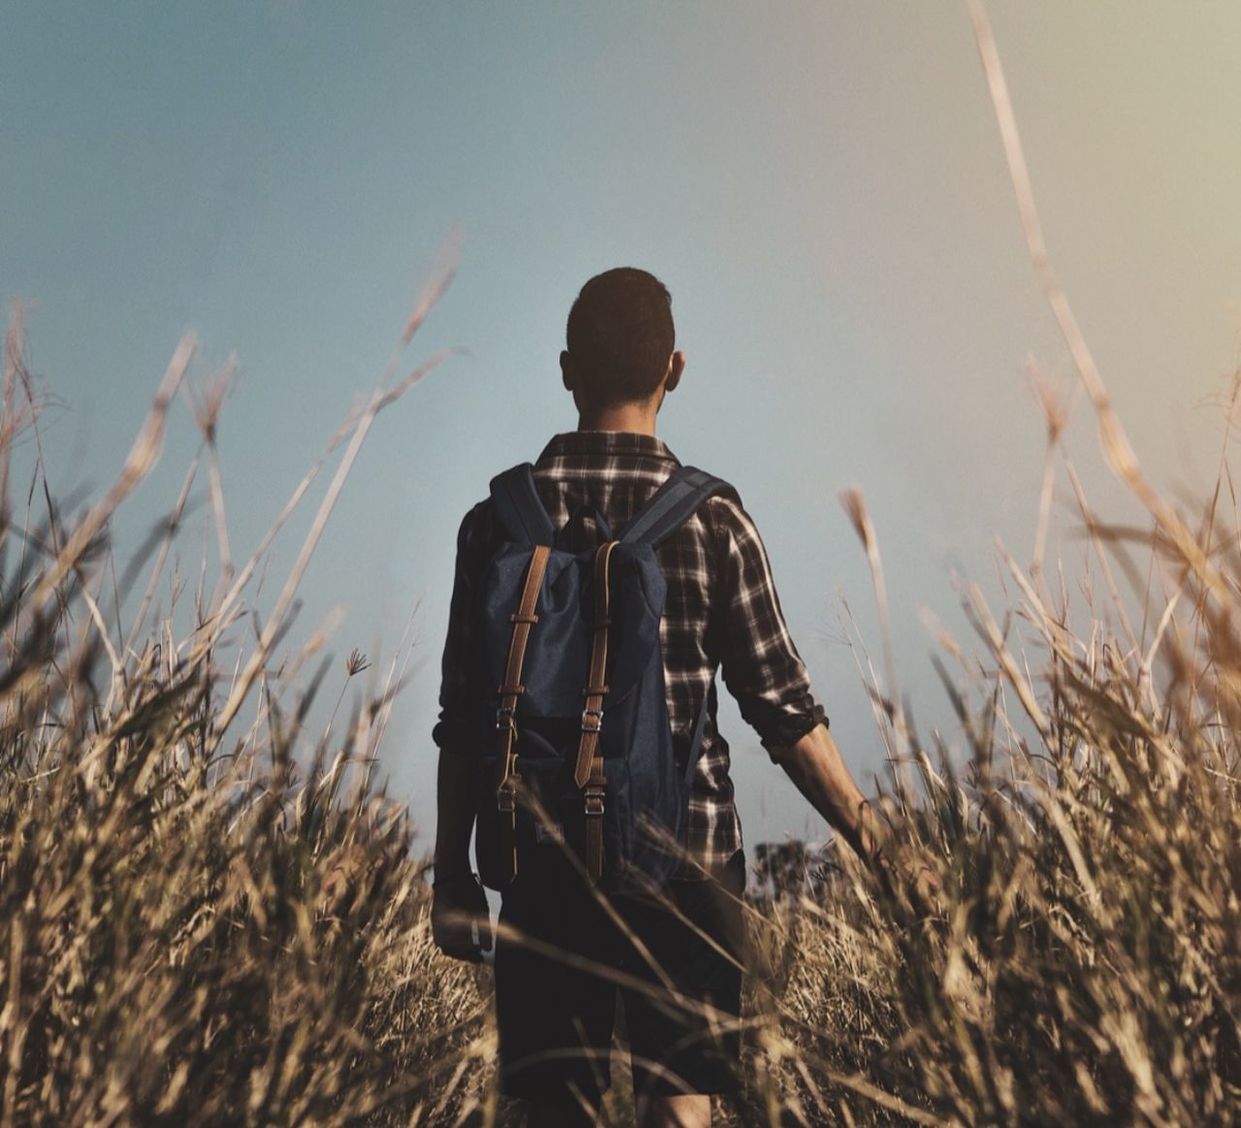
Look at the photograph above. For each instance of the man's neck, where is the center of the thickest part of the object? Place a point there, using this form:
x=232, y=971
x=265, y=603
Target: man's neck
x=621, y=417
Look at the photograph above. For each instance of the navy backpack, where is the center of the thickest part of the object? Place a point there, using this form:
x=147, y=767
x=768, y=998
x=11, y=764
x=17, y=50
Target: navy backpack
x=576, y=753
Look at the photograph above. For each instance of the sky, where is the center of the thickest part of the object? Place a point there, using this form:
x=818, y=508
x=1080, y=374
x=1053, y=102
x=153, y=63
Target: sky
x=820, y=185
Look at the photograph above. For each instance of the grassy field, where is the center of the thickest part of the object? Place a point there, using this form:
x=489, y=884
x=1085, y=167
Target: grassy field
x=211, y=916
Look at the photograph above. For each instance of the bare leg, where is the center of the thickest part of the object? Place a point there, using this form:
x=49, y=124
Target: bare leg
x=691, y=1110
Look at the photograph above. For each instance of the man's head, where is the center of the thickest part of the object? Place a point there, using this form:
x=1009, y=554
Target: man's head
x=620, y=341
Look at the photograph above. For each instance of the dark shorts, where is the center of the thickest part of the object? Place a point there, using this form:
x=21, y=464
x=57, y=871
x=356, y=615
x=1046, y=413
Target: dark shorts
x=556, y=1020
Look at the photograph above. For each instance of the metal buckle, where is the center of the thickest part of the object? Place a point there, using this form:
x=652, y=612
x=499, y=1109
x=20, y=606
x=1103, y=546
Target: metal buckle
x=597, y=714
x=506, y=799
x=504, y=717
x=594, y=801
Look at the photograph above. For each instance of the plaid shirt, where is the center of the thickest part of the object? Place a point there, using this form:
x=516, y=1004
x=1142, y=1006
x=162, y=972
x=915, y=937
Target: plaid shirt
x=721, y=611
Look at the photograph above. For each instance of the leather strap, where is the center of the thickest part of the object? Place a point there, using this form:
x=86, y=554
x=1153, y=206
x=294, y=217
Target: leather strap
x=593, y=800
x=592, y=711
x=589, y=773
x=506, y=726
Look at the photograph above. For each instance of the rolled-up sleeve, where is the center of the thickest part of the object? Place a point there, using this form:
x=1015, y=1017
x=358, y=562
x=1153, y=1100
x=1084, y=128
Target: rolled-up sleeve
x=759, y=662
x=452, y=731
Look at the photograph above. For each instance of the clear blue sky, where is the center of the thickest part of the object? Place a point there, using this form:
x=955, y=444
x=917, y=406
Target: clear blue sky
x=820, y=185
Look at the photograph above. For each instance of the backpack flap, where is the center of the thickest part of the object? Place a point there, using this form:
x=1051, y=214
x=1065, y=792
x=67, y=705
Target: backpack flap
x=559, y=646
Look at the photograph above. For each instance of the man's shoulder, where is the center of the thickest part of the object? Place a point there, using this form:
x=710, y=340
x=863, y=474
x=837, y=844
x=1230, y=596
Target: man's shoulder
x=723, y=509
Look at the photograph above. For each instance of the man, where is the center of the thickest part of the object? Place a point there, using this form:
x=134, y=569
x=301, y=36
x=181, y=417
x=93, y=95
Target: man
x=555, y=1016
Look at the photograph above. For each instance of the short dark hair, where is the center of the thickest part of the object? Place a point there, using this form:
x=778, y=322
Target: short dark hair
x=620, y=335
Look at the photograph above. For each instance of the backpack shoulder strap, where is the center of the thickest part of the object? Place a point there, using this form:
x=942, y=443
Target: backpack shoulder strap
x=519, y=506
x=671, y=505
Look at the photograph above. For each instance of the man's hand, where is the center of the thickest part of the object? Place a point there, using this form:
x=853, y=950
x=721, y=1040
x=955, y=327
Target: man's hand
x=815, y=765
x=460, y=922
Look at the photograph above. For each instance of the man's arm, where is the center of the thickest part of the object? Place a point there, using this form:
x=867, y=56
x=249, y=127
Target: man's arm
x=764, y=672
x=460, y=923
x=815, y=765
x=455, y=816
x=459, y=905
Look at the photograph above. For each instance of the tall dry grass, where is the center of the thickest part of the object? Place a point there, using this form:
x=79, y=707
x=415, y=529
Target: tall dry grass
x=210, y=914
x=1084, y=964
x=215, y=918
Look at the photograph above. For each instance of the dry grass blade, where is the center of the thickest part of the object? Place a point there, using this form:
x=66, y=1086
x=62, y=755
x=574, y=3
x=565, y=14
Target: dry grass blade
x=854, y=504
x=1117, y=449
x=141, y=458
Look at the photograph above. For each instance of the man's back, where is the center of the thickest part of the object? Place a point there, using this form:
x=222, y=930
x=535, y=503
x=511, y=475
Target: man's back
x=721, y=610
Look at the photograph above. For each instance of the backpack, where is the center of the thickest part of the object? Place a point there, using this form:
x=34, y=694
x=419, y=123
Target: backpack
x=575, y=750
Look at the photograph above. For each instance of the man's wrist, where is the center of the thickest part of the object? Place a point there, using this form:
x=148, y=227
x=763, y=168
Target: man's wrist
x=869, y=834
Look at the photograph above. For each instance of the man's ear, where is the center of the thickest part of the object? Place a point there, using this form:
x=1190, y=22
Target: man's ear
x=676, y=365
x=566, y=370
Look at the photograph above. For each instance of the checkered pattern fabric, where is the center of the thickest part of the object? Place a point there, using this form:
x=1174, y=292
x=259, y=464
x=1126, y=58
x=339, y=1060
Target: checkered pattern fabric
x=721, y=612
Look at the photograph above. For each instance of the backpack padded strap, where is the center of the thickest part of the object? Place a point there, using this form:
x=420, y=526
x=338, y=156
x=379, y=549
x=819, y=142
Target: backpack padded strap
x=671, y=505
x=519, y=506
